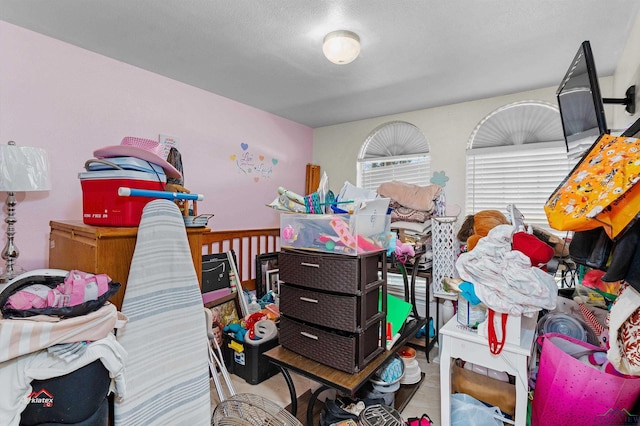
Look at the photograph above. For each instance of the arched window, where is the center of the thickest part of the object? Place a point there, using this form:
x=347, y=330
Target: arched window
x=516, y=155
x=396, y=150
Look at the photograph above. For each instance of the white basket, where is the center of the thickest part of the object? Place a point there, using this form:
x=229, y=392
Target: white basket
x=444, y=253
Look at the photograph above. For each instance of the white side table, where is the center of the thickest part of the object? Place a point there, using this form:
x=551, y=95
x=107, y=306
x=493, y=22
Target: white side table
x=462, y=342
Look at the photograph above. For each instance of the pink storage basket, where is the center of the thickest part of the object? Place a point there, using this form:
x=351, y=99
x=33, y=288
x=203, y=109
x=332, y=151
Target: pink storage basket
x=570, y=392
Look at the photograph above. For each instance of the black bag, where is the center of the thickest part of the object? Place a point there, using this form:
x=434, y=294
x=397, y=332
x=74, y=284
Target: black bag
x=591, y=248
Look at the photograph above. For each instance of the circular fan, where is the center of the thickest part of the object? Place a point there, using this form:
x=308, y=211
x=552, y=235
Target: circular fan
x=394, y=139
x=246, y=409
x=518, y=123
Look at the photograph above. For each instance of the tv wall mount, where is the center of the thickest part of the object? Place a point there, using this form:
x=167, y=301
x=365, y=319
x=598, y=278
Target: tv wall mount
x=629, y=101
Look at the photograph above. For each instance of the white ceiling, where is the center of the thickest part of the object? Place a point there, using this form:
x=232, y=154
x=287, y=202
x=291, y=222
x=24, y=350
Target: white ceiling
x=415, y=53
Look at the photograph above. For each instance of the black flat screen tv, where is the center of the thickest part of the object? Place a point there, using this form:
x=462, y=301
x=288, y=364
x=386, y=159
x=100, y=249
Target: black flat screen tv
x=580, y=103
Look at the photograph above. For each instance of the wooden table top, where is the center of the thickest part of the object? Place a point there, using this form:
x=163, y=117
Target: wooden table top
x=348, y=383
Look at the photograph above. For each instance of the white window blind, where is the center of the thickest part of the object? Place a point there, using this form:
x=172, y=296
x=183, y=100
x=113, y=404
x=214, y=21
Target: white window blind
x=396, y=150
x=524, y=175
x=415, y=170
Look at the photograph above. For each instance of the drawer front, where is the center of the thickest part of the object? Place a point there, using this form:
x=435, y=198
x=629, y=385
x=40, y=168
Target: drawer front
x=329, y=272
x=328, y=310
x=331, y=310
x=342, y=351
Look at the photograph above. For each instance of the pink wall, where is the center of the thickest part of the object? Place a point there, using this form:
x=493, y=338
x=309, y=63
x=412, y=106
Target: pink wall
x=71, y=102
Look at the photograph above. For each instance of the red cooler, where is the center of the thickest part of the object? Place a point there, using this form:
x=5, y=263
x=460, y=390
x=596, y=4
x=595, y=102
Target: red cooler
x=101, y=204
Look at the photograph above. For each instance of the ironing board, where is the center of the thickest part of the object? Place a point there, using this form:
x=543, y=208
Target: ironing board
x=167, y=375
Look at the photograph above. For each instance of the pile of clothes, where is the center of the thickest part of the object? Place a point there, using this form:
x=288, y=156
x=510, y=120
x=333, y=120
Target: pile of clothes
x=412, y=207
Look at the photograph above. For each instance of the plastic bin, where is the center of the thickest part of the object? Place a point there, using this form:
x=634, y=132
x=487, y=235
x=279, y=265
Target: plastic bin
x=246, y=360
x=336, y=233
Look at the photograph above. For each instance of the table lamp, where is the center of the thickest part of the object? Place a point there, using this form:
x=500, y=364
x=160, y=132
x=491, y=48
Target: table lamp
x=25, y=169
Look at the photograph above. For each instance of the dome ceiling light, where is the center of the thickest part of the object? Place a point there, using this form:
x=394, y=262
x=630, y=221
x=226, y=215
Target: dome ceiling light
x=341, y=47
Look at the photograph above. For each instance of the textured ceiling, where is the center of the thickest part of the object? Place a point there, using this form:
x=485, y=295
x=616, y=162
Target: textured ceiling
x=268, y=54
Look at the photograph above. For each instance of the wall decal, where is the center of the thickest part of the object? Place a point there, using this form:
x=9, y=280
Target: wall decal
x=253, y=164
x=439, y=178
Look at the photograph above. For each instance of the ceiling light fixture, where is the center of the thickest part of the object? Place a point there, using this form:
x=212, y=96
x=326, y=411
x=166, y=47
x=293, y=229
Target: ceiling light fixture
x=341, y=47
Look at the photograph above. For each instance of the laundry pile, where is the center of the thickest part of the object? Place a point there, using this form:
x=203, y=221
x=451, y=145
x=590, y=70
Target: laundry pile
x=412, y=207
x=61, y=351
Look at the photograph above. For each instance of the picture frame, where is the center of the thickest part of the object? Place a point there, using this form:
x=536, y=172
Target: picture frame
x=224, y=311
x=236, y=285
x=217, y=274
x=273, y=281
x=264, y=262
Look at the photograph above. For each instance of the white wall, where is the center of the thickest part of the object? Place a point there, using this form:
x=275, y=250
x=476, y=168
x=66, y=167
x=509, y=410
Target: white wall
x=447, y=129
x=628, y=73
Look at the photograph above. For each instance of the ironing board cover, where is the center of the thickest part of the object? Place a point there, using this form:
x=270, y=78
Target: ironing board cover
x=167, y=372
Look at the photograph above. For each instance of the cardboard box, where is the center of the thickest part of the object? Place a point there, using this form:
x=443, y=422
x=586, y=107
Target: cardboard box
x=246, y=360
x=335, y=233
x=516, y=326
x=101, y=204
x=483, y=388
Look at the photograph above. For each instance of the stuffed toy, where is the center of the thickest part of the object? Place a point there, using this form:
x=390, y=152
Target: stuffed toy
x=478, y=225
x=237, y=330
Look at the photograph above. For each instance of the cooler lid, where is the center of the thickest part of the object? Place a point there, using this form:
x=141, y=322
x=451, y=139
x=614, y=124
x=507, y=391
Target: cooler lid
x=122, y=174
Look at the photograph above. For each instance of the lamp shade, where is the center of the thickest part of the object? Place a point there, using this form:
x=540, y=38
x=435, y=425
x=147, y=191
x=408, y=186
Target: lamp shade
x=23, y=168
x=341, y=47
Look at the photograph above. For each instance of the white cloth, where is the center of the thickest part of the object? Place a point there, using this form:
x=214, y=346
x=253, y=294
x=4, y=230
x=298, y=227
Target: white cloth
x=503, y=278
x=625, y=305
x=20, y=336
x=16, y=374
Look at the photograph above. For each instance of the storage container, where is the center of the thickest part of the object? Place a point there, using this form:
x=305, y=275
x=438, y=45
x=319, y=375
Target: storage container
x=335, y=233
x=246, y=360
x=484, y=388
x=331, y=272
x=349, y=352
x=470, y=315
x=101, y=204
x=515, y=327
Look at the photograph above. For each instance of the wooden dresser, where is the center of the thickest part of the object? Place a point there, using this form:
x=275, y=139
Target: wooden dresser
x=105, y=250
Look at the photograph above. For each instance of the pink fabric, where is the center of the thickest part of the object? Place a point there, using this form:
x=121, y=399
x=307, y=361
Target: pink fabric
x=78, y=287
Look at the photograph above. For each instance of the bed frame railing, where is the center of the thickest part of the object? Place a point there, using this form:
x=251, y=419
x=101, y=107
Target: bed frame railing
x=246, y=244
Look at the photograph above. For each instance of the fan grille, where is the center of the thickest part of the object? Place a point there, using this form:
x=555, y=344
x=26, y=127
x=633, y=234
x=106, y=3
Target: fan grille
x=249, y=409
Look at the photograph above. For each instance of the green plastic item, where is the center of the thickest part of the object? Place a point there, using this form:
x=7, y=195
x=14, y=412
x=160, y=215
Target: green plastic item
x=397, y=312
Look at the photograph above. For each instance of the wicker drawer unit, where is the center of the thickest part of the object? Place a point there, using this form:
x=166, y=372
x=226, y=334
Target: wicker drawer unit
x=330, y=272
x=349, y=352
x=330, y=306
x=345, y=313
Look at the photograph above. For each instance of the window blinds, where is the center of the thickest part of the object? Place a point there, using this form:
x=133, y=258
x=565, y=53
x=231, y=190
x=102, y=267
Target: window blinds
x=524, y=175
